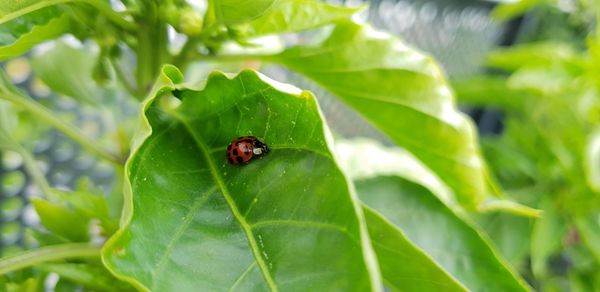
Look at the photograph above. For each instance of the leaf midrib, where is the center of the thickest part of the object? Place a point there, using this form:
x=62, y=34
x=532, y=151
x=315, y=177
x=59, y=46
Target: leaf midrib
x=234, y=210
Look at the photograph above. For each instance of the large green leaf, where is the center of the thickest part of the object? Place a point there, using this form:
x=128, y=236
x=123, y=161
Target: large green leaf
x=20, y=35
x=192, y=221
x=454, y=244
x=256, y=18
x=403, y=93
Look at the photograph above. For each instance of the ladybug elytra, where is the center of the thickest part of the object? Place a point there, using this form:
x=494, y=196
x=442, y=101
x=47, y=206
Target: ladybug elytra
x=243, y=149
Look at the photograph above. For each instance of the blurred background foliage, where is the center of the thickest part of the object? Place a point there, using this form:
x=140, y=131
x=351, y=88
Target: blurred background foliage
x=546, y=154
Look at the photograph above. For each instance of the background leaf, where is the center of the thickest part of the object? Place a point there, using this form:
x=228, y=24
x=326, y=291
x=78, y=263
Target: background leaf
x=263, y=17
x=404, y=266
x=19, y=36
x=404, y=94
x=56, y=68
x=287, y=221
x=62, y=220
x=455, y=245
x=90, y=276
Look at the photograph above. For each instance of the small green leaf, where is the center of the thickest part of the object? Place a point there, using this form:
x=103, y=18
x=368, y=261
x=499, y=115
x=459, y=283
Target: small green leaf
x=256, y=18
x=29, y=285
x=94, y=277
x=67, y=70
x=91, y=206
x=485, y=90
x=512, y=9
x=403, y=92
x=62, y=220
x=541, y=54
x=288, y=221
x=394, y=251
x=36, y=34
x=451, y=242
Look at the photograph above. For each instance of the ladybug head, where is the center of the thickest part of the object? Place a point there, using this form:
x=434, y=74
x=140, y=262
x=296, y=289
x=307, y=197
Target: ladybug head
x=259, y=148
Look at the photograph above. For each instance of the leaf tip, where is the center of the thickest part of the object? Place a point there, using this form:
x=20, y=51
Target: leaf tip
x=173, y=73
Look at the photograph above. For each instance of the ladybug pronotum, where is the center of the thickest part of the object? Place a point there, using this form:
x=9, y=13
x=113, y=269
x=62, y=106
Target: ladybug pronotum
x=243, y=149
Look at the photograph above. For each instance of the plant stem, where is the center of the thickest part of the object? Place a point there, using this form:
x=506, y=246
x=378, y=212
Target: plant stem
x=46, y=254
x=128, y=84
x=152, y=45
x=34, y=172
x=45, y=115
x=181, y=60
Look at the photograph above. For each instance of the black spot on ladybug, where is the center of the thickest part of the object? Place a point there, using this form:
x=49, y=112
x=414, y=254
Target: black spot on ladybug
x=235, y=152
x=239, y=159
x=229, y=147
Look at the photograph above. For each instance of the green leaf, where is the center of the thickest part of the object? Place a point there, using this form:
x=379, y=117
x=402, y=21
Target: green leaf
x=67, y=70
x=256, y=18
x=11, y=31
x=29, y=285
x=589, y=229
x=542, y=54
x=546, y=238
x=485, y=90
x=508, y=10
x=592, y=161
x=91, y=206
x=394, y=251
x=94, y=277
x=288, y=221
x=62, y=220
x=19, y=36
x=10, y=9
x=453, y=243
x=403, y=93
x=510, y=233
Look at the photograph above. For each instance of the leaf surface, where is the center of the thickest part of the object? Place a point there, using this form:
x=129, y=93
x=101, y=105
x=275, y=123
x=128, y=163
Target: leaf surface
x=404, y=94
x=287, y=222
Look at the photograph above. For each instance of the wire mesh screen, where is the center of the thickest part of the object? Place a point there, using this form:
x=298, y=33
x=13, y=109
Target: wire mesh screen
x=62, y=161
x=457, y=33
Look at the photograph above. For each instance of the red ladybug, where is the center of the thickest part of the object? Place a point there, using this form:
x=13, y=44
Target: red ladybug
x=243, y=149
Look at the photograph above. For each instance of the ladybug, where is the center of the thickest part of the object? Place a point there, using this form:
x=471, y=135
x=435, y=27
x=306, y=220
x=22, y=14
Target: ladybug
x=243, y=149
